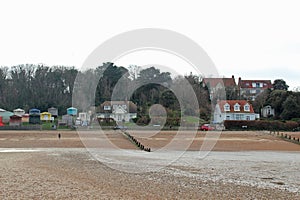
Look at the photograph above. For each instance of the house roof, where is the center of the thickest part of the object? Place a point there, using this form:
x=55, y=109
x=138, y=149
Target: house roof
x=19, y=110
x=45, y=113
x=248, y=83
x=213, y=82
x=231, y=103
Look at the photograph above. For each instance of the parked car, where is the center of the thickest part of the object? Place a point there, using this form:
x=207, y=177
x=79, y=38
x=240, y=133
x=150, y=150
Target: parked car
x=206, y=127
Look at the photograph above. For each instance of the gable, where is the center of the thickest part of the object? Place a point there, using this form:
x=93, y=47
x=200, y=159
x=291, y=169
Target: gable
x=232, y=103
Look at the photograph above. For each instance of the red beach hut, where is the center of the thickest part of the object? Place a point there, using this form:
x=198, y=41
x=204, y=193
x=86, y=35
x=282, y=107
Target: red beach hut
x=1, y=123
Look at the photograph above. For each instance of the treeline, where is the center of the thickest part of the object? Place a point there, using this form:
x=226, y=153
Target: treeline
x=285, y=103
x=36, y=86
x=40, y=86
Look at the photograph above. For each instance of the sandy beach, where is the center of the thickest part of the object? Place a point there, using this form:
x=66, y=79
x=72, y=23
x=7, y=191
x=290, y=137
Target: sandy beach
x=242, y=165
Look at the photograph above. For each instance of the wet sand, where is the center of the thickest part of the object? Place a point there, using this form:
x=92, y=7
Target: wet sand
x=228, y=140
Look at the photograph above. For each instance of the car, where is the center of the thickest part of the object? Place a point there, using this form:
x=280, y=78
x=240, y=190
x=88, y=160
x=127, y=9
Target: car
x=206, y=127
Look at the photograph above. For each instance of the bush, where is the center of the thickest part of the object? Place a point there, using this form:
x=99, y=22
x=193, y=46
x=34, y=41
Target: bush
x=260, y=125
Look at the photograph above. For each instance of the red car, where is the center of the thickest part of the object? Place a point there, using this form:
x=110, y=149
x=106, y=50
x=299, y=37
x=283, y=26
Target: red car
x=206, y=127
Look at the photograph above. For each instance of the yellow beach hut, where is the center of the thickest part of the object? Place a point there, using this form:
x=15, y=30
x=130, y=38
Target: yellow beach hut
x=45, y=116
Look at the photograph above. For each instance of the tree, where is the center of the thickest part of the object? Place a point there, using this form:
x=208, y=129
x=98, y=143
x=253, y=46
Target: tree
x=276, y=99
x=261, y=100
x=280, y=84
x=291, y=108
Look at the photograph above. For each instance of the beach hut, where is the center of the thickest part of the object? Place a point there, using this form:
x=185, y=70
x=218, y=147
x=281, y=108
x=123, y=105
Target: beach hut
x=25, y=118
x=72, y=111
x=5, y=115
x=67, y=120
x=45, y=116
x=1, y=123
x=53, y=111
x=15, y=120
x=20, y=112
x=34, y=116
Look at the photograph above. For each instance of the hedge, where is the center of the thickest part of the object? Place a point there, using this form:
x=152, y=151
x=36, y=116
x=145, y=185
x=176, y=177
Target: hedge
x=260, y=125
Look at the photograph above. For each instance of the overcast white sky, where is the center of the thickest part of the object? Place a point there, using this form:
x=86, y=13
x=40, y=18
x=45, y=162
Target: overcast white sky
x=250, y=39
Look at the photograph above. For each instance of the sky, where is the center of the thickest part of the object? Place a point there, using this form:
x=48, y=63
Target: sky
x=247, y=39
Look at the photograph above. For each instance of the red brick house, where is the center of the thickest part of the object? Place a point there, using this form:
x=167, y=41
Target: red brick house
x=216, y=84
x=250, y=89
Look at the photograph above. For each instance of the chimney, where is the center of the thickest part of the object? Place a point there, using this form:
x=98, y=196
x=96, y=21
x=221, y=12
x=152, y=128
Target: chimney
x=232, y=76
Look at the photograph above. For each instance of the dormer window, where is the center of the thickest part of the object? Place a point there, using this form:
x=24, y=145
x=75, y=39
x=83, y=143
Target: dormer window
x=247, y=107
x=237, y=107
x=226, y=107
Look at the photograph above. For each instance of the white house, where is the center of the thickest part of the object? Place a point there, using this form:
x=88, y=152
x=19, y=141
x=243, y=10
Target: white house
x=233, y=110
x=118, y=110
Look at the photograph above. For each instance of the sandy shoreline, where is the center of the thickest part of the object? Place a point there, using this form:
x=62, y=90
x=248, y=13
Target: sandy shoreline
x=36, y=165
x=74, y=174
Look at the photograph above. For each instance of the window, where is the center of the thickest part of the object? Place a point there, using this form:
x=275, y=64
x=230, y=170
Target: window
x=226, y=107
x=247, y=107
x=237, y=107
x=247, y=117
x=227, y=117
x=106, y=108
x=238, y=116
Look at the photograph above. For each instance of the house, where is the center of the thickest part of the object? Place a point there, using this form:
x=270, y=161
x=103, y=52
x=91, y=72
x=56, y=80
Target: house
x=120, y=111
x=216, y=85
x=15, y=120
x=267, y=111
x=233, y=110
x=250, y=89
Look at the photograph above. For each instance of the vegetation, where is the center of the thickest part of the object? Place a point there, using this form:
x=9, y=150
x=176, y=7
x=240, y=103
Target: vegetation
x=286, y=103
x=260, y=125
x=40, y=86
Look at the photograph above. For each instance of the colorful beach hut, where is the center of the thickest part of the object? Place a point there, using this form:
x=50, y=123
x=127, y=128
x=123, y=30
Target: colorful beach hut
x=45, y=116
x=72, y=111
x=20, y=112
x=53, y=111
x=25, y=118
x=15, y=120
x=1, y=122
x=34, y=116
x=5, y=115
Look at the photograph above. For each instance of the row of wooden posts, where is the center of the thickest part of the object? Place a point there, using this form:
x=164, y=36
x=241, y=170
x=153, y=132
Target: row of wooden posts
x=136, y=142
x=286, y=136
